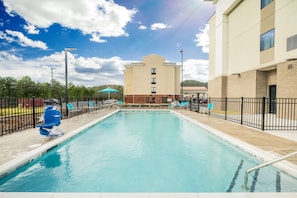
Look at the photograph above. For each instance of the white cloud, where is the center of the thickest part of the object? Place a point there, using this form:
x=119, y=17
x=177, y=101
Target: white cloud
x=157, y=26
x=6, y=37
x=5, y=56
x=91, y=71
x=97, y=38
x=22, y=39
x=195, y=70
x=142, y=27
x=31, y=29
x=202, y=39
x=11, y=63
x=98, y=18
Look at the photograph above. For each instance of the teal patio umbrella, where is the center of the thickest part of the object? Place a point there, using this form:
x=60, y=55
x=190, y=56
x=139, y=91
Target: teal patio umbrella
x=108, y=90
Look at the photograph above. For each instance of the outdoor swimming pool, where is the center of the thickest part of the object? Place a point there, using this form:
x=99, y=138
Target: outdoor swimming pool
x=153, y=151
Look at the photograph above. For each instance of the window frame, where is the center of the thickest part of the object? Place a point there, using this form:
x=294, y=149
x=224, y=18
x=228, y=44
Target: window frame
x=153, y=70
x=153, y=80
x=153, y=90
x=292, y=42
x=267, y=40
x=265, y=3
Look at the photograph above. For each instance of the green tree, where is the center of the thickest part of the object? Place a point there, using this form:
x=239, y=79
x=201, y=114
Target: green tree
x=44, y=90
x=8, y=87
x=76, y=92
x=58, y=90
x=27, y=87
x=85, y=92
x=194, y=83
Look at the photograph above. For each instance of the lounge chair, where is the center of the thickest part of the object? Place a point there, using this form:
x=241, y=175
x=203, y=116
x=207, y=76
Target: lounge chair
x=115, y=104
x=91, y=106
x=52, y=120
x=184, y=104
x=173, y=104
x=71, y=109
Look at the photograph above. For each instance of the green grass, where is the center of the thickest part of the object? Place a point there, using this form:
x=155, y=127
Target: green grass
x=19, y=111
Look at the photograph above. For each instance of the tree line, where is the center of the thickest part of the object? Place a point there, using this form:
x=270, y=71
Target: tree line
x=26, y=88
x=191, y=83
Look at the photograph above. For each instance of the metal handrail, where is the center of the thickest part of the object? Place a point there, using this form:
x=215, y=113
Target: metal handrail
x=271, y=162
x=265, y=164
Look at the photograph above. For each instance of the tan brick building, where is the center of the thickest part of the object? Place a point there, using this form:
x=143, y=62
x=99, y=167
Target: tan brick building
x=151, y=81
x=253, y=49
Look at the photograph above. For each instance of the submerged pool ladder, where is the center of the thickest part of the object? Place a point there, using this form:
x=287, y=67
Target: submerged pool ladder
x=266, y=164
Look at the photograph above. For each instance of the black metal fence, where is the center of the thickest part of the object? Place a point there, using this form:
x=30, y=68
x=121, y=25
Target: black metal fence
x=261, y=113
x=17, y=114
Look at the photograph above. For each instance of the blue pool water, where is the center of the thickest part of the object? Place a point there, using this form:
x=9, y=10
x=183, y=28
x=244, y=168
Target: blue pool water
x=145, y=152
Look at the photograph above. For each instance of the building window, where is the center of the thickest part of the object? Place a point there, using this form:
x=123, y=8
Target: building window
x=153, y=80
x=154, y=90
x=153, y=70
x=264, y=3
x=267, y=40
x=292, y=42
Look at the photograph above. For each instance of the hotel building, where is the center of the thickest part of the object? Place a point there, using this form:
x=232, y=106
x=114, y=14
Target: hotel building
x=253, y=49
x=151, y=81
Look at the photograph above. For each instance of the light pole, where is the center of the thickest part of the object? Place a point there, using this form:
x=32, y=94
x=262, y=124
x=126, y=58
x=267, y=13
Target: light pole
x=52, y=74
x=66, y=77
x=182, y=75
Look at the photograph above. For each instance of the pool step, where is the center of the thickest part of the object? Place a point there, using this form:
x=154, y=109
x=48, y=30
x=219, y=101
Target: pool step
x=255, y=179
x=232, y=184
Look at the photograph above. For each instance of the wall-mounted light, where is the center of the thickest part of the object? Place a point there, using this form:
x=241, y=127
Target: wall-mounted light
x=236, y=74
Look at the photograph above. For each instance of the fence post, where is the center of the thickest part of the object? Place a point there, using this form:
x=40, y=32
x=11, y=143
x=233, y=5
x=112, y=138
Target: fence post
x=33, y=109
x=1, y=118
x=225, y=108
x=208, y=106
x=263, y=113
x=241, y=111
x=61, y=106
x=198, y=107
x=190, y=104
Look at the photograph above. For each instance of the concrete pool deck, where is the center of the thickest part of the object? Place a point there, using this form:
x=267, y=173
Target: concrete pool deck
x=16, y=145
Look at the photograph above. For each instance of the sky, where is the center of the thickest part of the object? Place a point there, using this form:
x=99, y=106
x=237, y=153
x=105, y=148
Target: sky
x=107, y=35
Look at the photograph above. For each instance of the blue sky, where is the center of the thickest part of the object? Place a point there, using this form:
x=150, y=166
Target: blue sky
x=107, y=35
